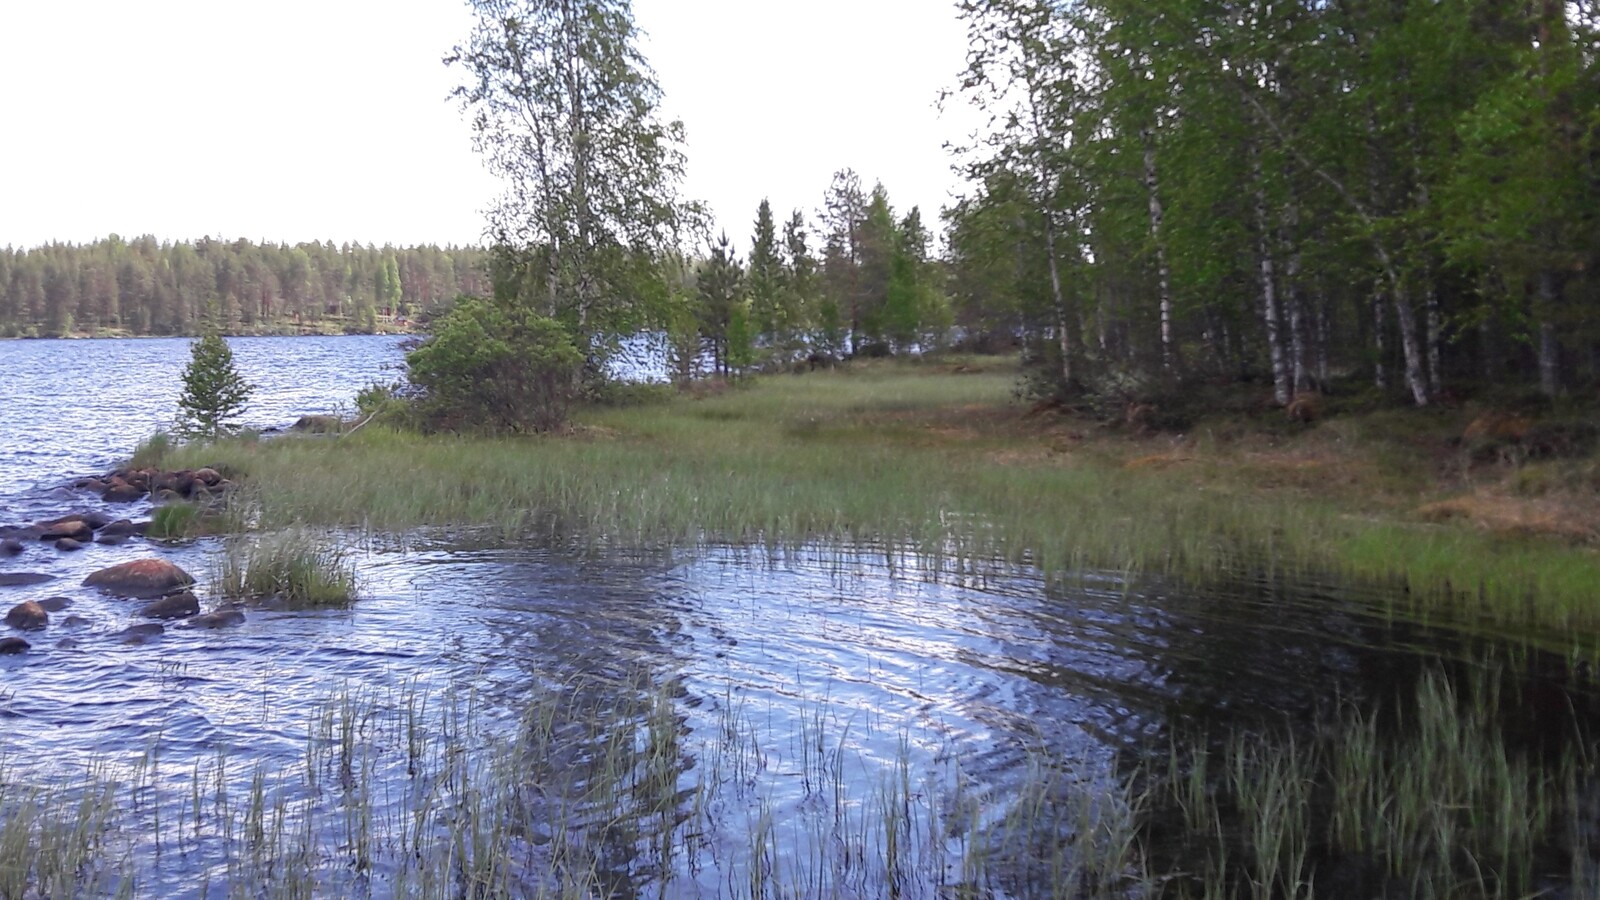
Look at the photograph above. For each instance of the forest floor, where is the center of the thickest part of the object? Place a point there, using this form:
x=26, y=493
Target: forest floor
x=1485, y=515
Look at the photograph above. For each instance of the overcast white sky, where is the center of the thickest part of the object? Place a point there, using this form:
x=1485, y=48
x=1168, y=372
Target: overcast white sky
x=327, y=119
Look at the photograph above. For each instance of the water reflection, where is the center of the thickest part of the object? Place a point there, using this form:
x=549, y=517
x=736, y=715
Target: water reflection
x=680, y=720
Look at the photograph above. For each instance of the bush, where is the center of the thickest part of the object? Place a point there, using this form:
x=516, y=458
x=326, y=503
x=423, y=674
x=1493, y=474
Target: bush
x=213, y=390
x=386, y=404
x=489, y=367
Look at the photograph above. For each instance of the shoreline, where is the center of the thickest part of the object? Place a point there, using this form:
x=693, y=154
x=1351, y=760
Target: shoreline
x=941, y=458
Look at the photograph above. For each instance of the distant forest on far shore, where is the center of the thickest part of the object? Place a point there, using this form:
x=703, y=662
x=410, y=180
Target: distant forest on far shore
x=150, y=287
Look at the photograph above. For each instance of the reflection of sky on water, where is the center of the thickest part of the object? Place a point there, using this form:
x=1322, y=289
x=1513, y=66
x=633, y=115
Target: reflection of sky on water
x=73, y=407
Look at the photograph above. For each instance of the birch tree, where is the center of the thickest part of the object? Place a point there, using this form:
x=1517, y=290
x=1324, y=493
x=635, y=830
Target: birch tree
x=564, y=109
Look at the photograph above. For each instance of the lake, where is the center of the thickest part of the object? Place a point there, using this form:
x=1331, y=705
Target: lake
x=492, y=717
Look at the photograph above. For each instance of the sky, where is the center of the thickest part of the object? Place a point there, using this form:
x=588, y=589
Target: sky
x=330, y=120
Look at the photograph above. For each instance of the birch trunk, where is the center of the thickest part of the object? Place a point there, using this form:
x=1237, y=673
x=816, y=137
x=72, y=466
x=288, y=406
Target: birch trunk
x=1062, y=339
x=1294, y=299
x=1269, y=291
x=1152, y=187
x=1410, y=344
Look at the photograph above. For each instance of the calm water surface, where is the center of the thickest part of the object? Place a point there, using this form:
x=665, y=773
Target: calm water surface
x=970, y=671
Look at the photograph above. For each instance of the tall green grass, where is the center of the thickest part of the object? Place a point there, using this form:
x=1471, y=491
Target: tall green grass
x=1437, y=804
x=294, y=566
x=599, y=790
x=936, y=462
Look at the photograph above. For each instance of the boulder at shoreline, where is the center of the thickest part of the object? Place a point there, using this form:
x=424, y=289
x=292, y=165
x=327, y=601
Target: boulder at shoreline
x=143, y=579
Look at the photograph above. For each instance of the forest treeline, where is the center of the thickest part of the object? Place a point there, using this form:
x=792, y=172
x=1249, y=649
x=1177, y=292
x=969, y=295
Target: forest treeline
x=1397, y=192
x=1399, y=196
x=150, y=287
x=1396, y=197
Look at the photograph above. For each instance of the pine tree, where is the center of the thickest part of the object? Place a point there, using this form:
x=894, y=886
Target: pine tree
x=214, y=393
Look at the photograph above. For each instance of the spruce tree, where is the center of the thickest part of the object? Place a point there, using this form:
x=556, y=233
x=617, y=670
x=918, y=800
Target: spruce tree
x=214, y=393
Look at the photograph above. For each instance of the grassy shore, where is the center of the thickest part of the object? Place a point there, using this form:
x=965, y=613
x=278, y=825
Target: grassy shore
x=942, y=458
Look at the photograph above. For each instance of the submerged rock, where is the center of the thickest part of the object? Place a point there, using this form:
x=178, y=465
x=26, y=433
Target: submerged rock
x=142, y=579
x=13, y=645
x=67, y=644
x=27, y=616
x=176, y=606
x=220, y=618
x=74, y=622
x=112, y=540
x=69, y=545
x=23, y=579
x=55, y=604
x=10, y=547
x=139, y=634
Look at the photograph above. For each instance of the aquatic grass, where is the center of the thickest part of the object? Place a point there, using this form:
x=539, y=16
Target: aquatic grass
x=1432, y=804
x=172, y=521
x=152, y=450
x=295, y=566
x=602, y=788
x=905, y=455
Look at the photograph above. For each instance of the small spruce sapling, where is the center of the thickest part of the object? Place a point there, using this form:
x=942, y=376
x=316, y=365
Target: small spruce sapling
x=214, y=393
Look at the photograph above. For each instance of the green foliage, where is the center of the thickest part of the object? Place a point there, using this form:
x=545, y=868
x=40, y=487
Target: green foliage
x=721, y=284
x=214, y=393
x=385, y=404
x=490, y=367
x=564, y=110
x=741, y=338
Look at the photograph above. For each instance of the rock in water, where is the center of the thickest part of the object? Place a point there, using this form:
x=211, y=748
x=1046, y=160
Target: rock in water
x=29, y=616
x=221, y=618
x=318, y=425
x=10, y=547
x=13, y=645
x=123, y=527
x=23, y=579
x=122, y=492
x=68, y=545
x=75, y=528
x=177, y=606
x=139, y=634
x=143, y=578
x=55, y=604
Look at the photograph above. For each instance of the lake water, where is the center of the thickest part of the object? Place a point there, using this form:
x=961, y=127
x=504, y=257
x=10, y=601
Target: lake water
x=791, y=686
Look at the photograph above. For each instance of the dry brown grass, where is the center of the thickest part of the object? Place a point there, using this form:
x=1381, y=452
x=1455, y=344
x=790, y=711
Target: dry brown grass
x=1519, y=516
